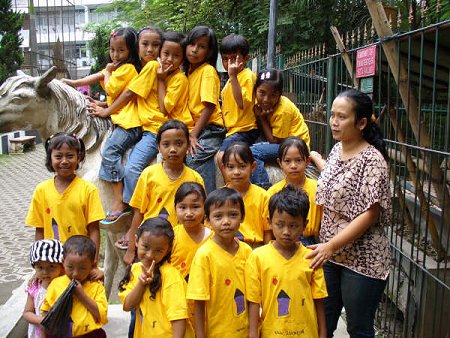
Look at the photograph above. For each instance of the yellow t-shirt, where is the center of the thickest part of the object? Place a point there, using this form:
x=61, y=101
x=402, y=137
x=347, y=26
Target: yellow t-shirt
x=127, y=117
x=256, y=220
x=67, y=214
x=155, y=191
x=176, y=99
x=286, y=289
x=204, y=86
x=237, y=120
x=217, y=277
x=83, y=320
x=287, y=121
x=153, y=316
x=315, y=211
x=145, y=86
x=184, y=249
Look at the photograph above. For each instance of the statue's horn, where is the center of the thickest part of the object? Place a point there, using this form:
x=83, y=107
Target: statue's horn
x=43, y=80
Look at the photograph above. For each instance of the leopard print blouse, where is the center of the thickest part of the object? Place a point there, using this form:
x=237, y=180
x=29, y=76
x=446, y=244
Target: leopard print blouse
x=346, y=189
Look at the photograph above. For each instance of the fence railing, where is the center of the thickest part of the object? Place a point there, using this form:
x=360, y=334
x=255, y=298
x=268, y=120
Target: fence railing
x=416, y=126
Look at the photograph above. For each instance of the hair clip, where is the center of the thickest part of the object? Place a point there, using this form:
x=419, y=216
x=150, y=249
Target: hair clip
x=113, y=34
x=373, y=118
x=265, y=76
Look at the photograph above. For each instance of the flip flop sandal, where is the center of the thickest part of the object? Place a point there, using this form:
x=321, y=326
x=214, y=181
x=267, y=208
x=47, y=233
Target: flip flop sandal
x=121, y=244
x=118, y=214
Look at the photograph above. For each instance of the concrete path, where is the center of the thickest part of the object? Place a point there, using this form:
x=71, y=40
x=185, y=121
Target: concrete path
x=19, y=175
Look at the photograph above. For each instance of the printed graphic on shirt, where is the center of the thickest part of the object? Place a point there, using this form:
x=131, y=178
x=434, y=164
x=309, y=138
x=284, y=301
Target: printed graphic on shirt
x=164, y=213
x=239, y=236
x=55, y=229
x=240, y=301
x=283, y=303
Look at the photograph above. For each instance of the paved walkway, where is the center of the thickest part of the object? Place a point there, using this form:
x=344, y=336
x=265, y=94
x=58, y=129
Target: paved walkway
x=19, y=176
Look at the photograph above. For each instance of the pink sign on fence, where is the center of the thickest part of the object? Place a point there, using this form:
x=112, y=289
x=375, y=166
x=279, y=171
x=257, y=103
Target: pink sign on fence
x=366, y=61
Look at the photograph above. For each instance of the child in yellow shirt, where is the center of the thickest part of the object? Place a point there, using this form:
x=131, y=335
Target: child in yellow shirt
x=237, y=94
x=90, y=306
x=279, y=280
x=277, y=118
x=216, y=281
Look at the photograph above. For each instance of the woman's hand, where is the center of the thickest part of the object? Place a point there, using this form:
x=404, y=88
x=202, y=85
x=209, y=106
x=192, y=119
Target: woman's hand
x=320, y=254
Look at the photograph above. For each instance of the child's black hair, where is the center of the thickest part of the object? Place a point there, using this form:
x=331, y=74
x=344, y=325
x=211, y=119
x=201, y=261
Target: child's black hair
x=130, y=36
x=151, y=29
x=240, y=149
x=158, y=226
x=363, y=108
x=172, y=124
x=187, y=188
x=219, y=197
x=80, y=245
x=293, y=141
x=291, y=200
x=198, y=32
x=234, y=43
x=57, y=140
x=176, y=37
x=273, y=77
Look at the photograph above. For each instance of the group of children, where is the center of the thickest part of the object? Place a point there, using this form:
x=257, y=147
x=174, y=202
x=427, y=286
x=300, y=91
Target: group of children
x=192, y=270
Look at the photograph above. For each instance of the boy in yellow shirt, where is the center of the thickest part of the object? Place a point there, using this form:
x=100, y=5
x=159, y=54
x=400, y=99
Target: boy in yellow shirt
x=90, y=305
x=278, y=277
x=237, y=94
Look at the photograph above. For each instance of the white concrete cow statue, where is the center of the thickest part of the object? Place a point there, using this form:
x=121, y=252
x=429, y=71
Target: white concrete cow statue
x=48, y=105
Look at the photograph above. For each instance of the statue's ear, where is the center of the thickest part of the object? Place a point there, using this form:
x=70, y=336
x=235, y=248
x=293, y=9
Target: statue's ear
x=20, y=73
x=43, y=80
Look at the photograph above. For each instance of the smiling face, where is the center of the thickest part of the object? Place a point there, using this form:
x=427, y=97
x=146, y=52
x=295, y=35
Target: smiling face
x=149, y=45
x=343, y=121
x=77, y=266
x=65, y=161
x=286, y=229
x=47, y=271
x=151, y=248
x=118, y=50
x=293, y=164
x=225, y=220
x=237, y=173
x=190, y=211
x=267, y=97
x=173, y=146
x=198, y=51
x=171, y=55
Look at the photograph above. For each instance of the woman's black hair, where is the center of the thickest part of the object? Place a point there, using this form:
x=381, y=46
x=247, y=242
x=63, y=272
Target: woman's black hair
x=130, y=36
x=187, y=188
x=220, y=196
x=273, y=77
x=57, y=140
x=172, y=124
x=363, y=108
x=293, y=141
x=157, y=226
x=176, y=37
x=240, y=149
x=198, y=32
x=291, y=200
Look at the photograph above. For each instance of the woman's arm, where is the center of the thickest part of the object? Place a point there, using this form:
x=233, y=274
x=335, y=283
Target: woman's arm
x=323, y=251
x=178, y=328
x=253, y=318
x=200, y=317
x=317, y=160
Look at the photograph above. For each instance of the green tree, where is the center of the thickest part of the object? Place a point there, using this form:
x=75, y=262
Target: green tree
x=11, y=56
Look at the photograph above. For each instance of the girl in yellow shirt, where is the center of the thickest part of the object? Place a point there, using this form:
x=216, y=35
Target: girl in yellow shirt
x=204, y=89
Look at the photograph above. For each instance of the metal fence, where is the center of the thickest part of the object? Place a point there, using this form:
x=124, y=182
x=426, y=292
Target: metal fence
x=412, y=105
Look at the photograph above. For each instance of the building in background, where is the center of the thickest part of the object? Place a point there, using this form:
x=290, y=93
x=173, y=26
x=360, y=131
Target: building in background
x=53, y=34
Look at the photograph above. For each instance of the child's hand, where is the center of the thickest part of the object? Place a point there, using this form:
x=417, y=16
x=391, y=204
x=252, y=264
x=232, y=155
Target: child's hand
x=193, y=144
x=95, y=110
x=164, y=73
x=128, y=258
x=96, y=275
x=68, y=82
x=260, y=112
x=146, y=276
x=235, y=67
x=78, y=289
x=112, y=66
